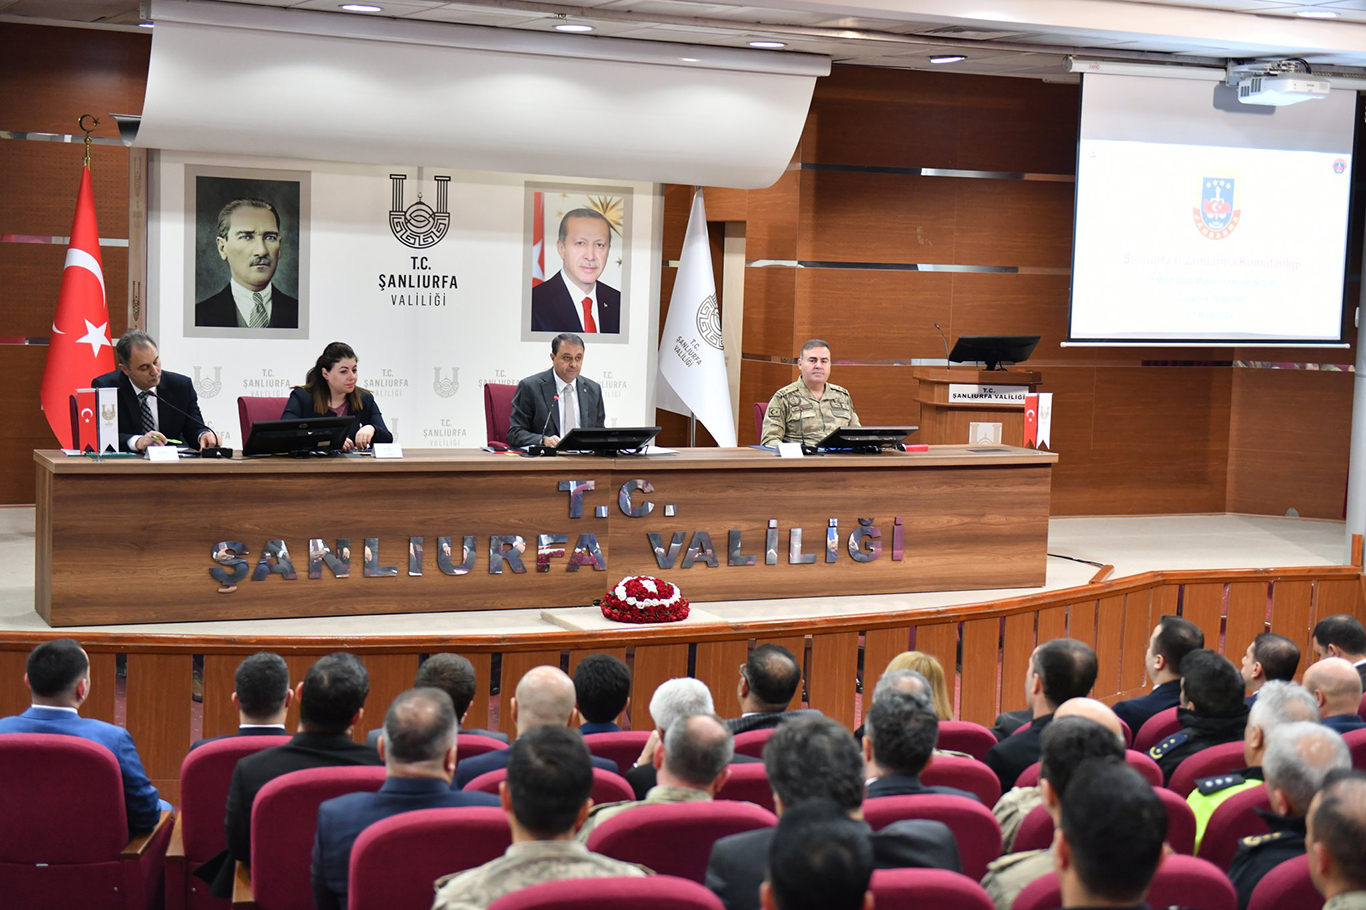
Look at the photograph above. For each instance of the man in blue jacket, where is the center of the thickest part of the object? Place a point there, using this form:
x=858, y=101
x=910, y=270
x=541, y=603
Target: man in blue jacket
x=58, y=676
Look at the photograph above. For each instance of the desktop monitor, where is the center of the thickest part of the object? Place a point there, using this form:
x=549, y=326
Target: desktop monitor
x=297, y=435
x=993, y=350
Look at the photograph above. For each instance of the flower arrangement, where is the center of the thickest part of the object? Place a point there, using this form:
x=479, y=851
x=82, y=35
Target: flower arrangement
x=641, y=599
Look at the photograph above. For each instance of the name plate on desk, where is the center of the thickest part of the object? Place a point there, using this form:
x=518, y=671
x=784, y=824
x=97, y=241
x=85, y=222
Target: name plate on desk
x=972, y=393
x=162, y=453
x=388, y=450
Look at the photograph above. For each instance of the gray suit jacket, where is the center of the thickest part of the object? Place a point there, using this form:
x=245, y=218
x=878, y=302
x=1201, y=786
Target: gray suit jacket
x=536, y=413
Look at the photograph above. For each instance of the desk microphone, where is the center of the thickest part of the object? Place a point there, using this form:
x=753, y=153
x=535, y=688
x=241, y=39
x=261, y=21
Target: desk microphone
x=207, y=451
x=946, y=345
x=544, y=449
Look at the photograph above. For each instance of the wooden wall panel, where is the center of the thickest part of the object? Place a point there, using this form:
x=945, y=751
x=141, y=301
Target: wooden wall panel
x=771, y=225
x=53, y=75
x=768, y=328
x=1248, y=603
x=941, y=641
x=1332, y=597
x=515, y=666
x=653, y=664
x=879, y=647
x=220, y=672
x=103, y=688
x=1081, y=622
x=14, y=695
x=1018, y=645
x=390, y=675
x=716, y=664
x=981, y=670
x=834, y=676
x=477, y=717
x=22, y=375
x=882, y=395
x=1138, y=625
x=868, y=315
x=1052, y=623
x=1204, y=605
x=298, y=668
x=33, y=274
x=158, y=719
x=1110, y=613
x=1292, y=611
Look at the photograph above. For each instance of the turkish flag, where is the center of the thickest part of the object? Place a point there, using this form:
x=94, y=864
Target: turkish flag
x=537, y=239
x=1031, y=421
x=80, y=348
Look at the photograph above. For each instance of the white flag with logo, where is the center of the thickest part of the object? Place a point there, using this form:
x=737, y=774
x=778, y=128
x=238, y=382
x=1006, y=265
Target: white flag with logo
x=692, y=362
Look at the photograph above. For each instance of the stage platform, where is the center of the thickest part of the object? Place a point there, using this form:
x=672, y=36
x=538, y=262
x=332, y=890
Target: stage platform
x=1132, y=544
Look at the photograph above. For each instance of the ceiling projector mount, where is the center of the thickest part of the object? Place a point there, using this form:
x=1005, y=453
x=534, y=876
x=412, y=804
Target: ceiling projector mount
x=1277, y=82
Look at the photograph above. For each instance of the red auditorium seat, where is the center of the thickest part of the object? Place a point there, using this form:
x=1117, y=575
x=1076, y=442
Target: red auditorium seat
x=1287, y=887
x=760, y=411
x=1181, y=881
x=607, y=787
x=752, y=742
x=658, y=892
x=284, y=820
x=973, y=826
x=497, y=413
x=1036, y=831
x=1356, y=743
x=964, y=773
x=910, y=889
x=251, y=408
x=1218, y=759
x=64, y=835
x=205, y=775
x=965, y=736
x=468, y=745
x=748, y=783
x=426, y=844
x=1155, y=729
x=1139, y=761
x=1235, y=818
x=623, y=748
x=676, y=838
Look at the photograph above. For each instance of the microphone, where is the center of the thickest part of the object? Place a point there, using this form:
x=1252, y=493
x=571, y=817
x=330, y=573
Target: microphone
x=208, y=451
x=946, y=345
x=545, y=426
x=543, y=449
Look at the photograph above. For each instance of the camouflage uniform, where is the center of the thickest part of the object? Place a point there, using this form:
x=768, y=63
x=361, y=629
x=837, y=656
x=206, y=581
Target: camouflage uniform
x=1009, y=875
x=795, y=415
x=1010, y=811
x=523, y=865
x=1347, y=900
x=656, y=795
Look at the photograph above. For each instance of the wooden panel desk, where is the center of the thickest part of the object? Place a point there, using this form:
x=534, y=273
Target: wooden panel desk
x=128, y=541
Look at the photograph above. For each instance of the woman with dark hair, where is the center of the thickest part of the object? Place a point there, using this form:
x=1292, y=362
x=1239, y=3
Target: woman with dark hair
x=330, y=390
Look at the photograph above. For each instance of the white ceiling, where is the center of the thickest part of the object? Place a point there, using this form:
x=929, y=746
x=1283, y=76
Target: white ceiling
x=1007, y=37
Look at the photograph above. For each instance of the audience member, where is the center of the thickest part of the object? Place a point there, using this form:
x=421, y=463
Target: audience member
x=673, y=699
x=546, y=797
x=1269, y=657
x=769, y=680
x=1336, y=687
x=455, y=676
x=545, y=698
x=1067, y=744
x=1172, y=639
x=57, y=674
x=1277, y=703
x=814, y=758
x=1212, y=710
x=261, y=696
x=331, y=702
x=1298, y=758
x=1334, y=836
x=1110, y=841
x=1016, y=803
x=1342, y=636
x=819, y=859
x=928, y=666
x=693, y=765
x=1058, y=670
x=419, y=752
x=899, y=737
x=602, y=689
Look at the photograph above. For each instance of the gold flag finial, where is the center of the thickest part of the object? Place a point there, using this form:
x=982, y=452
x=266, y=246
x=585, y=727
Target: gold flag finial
x=87, y=130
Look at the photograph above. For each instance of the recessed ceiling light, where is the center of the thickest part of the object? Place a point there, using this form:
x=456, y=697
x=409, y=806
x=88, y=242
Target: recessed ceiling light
x=948, y=58
x=767, y=45
x=1316, y=14
x=147, y=25
x=573, y=27
x=690, y=59
x=362, y=8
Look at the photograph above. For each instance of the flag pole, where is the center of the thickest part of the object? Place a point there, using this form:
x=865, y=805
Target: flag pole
x=692, y=430
x=80, y=122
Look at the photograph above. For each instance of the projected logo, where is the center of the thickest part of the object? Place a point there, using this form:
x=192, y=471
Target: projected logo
x=1339, y=166
x=1216, y=217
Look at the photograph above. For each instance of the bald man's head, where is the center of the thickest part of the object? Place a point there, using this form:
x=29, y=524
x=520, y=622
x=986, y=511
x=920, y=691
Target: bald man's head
x=1093, y=710
x=1335, y=683
x=545, y=698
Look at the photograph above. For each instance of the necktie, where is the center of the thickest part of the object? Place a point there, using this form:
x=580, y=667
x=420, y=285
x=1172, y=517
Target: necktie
x=571, y=417
x=258, y=312
x=588, y=324
x=148, y=422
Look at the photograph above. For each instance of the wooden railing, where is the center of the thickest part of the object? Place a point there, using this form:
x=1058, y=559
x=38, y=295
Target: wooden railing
x=987, y=645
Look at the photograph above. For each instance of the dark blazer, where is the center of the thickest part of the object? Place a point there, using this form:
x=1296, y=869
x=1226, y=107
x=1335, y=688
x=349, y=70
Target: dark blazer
x=220, y=311
x=534, y=407
x=1259, y=854
x=739, y=862
x=1134, y=711
x=305, y=750
x=643, y=778
x=301, y=405
x=274, y=730
x=177, y=407
x=1198, y=731
x=468, y=769
x=554, y=309
x=1016, y=752
x=1010, y=721
x=1344, y=723
x=341, y=820
x=588, y=728
x=372, y=738
x=749, y=722
x=902, y=785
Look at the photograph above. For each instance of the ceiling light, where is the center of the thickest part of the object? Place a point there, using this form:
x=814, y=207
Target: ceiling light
x=573, y=27
x=690, y=59
x=1316, y=14
x=147, y=25
x=767, y=45
x=948, y=58
x=361, y=8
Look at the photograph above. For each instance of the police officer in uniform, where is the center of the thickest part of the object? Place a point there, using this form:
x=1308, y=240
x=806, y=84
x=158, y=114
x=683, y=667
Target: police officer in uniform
x=811, y=408
x=1212, y=710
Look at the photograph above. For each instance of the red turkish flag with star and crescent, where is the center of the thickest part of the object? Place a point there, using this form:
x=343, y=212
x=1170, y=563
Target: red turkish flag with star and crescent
x=80, y=348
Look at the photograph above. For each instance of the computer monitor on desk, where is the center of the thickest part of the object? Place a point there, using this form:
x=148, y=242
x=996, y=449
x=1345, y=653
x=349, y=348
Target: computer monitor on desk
x=865, y=439
x=607, y=440
x=993, y=350
x=297, y=436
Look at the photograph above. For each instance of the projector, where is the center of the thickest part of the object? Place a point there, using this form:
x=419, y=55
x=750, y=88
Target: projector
x=1280, y=88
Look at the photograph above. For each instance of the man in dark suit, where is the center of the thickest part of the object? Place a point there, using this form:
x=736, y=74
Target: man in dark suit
x=814, y=758
x=261, y=695
x=1342, y=636
x=550, y=404
x=818, y=859
x=455, y=676
x=768, y=681
x=544, y=698
x=249, y=241
x=1171, y=640
x=899, y=734
x=331, y=702
x=419, y=752
x=573, y=299
x=154, y=404
x=1058, y=670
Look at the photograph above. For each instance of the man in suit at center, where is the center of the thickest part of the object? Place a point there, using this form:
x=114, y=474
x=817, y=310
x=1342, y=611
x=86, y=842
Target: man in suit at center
x=768, y=682
x=154, y=404
x=548, y=405
x=573, y=299
x=419, y=752
x=261, y=695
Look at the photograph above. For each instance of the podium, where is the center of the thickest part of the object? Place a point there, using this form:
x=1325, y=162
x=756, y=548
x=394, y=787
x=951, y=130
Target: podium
x=952, y=398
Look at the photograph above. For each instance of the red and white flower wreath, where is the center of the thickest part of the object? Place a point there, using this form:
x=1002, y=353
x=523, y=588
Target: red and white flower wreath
x=642, y=598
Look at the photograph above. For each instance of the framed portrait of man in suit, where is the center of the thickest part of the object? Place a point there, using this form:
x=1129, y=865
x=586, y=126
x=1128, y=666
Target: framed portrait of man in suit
x=246, y=261
x=576, y=262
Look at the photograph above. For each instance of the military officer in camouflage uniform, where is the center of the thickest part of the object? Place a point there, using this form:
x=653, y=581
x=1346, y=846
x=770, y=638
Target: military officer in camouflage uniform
x=811, y=408
x=1337, y=823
